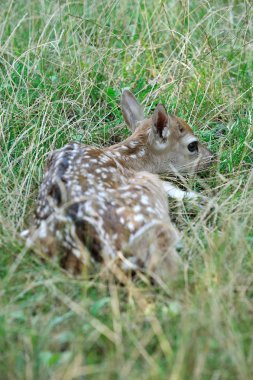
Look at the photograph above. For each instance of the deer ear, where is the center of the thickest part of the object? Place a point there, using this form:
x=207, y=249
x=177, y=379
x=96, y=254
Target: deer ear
x=160, y=121
x=131, y=110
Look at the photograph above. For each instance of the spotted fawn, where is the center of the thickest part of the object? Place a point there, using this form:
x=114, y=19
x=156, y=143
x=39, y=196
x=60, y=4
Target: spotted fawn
x=109, y=205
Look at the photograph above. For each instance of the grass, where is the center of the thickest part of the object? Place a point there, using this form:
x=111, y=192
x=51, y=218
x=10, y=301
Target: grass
x=62, y=66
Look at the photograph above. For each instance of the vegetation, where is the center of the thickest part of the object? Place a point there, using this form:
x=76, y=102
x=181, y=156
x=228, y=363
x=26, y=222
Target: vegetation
x=62, y=66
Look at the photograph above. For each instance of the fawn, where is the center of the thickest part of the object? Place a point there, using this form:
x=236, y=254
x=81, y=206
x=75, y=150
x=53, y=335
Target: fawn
x=108, y=204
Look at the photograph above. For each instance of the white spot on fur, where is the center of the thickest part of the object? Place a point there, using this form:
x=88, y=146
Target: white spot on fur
x=145, y=200
x=133, y=143
x=127, y=194
x=138, y=218
x=137, y=208
x=105, y=159
x=130, y=226
x=141, y=152
x=43, y=230
x=120, y=210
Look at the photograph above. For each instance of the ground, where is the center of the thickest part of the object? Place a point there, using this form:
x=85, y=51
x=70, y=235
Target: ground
x=62, y=67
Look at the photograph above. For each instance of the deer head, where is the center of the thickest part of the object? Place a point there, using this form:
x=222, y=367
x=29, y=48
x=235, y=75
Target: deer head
x=169, y=143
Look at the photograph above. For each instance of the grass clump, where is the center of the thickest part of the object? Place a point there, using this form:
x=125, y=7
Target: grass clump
x=62, y=67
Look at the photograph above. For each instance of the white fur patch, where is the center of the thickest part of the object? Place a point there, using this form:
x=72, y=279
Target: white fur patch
x=137, y=208
x=141, y=152
x=144, y=200
x=176, y=193
x=105, y=159
x=130, y=226
x=165, y=133
x=160, y=145
x=43, y=230
x=133, y=143
x=139, y=218
x=120, y=210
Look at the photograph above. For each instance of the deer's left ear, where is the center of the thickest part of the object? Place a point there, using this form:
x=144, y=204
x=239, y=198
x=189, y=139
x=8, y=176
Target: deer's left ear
x=160, y=121
x=131, y=109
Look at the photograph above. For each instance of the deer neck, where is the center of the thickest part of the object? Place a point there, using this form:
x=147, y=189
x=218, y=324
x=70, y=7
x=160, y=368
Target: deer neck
x=134, y=153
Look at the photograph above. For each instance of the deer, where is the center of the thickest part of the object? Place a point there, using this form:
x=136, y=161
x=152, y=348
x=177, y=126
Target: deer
x=109, y=205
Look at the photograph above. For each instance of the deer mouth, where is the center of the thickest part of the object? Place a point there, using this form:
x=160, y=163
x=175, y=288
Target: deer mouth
x=206, y=163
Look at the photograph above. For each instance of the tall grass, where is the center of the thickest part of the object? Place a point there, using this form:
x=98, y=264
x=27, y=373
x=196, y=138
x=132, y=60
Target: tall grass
x=62, y=66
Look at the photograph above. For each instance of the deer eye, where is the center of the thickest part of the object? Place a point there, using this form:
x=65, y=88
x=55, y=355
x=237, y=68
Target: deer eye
x=193, y=146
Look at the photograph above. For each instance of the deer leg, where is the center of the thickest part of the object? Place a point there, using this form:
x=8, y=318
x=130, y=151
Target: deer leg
x=153, y=249
x=178, y=194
